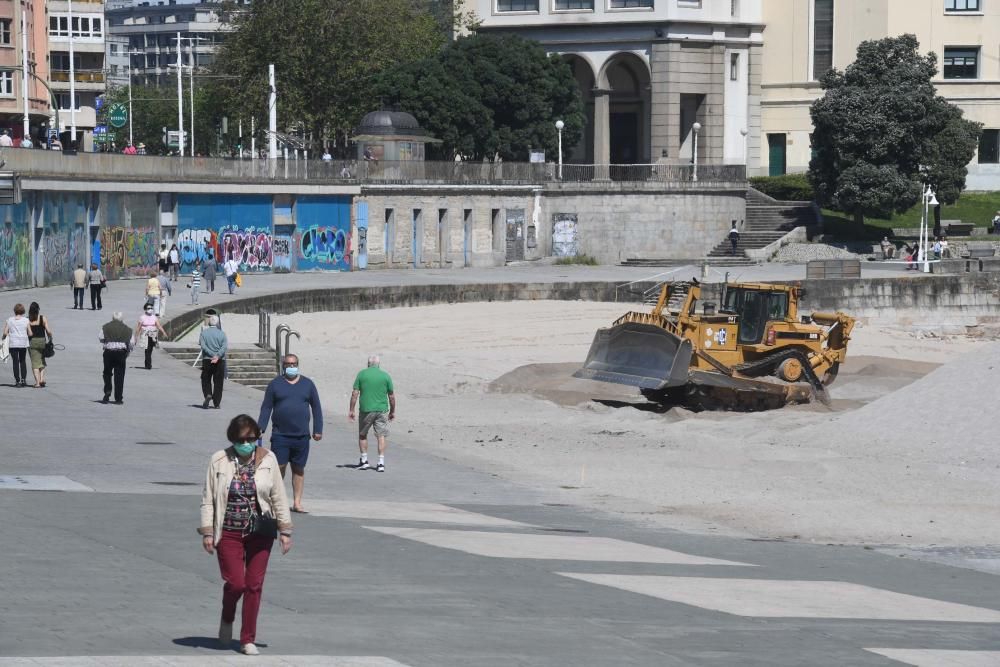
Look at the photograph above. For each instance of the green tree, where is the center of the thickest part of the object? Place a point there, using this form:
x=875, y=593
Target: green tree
x=327, y=55
x=880, y=132
x=489, y=96
x=948, y=153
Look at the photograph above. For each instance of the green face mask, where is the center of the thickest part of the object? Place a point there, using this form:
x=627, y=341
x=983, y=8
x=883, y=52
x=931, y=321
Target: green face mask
x=244, y=448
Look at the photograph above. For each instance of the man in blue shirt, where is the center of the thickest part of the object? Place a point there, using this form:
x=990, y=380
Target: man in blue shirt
x=289, y=399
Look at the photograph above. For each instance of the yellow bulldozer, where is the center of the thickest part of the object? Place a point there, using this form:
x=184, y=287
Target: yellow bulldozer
x=689, y=352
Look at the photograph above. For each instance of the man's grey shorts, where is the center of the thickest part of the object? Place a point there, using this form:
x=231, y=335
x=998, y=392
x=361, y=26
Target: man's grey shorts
x=380, y=420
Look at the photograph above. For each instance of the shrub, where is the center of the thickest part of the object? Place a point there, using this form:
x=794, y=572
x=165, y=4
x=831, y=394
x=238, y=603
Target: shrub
x=789, y=187
x=577, y=259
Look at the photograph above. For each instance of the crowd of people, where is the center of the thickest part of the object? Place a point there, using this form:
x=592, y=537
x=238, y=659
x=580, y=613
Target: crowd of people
x=244, y=507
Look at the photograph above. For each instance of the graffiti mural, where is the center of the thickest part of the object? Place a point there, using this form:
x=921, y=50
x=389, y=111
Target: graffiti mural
x=128, y=253
x=197, y=244
x=15, y=252
x=323, y=238
x=281, y=251
x=63, y=250
x=564, y=235
x=251, y=248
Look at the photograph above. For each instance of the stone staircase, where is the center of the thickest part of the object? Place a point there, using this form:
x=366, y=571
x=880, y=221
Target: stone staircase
x=250, y=366
x=767, y=221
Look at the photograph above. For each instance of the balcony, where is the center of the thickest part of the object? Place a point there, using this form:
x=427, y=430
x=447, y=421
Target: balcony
x=80, y=76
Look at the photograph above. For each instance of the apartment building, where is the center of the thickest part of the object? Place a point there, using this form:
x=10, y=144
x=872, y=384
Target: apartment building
x=76, y=35
x=148, y=30
x=804, y=38
x=649, y=70
x=12, y=40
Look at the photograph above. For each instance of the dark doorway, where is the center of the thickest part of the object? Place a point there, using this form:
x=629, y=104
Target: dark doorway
x=625, y=138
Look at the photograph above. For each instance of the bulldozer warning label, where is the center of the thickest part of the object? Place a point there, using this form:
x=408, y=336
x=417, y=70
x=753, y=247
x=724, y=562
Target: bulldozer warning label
x=720, y=337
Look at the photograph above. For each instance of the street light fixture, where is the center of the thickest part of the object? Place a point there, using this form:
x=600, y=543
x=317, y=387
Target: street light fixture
x=559, y=128
x=929, y=200
x=694, y=151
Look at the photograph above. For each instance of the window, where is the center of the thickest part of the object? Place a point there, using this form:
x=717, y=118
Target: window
x=631, y=4
x=989, y=147
x=822, y=38
x=734, y=67
x=691, y=4
x=63, y=100
x=961, y=5
x=84, y=27
x=517, y=5
x=961, y=63
x=5, y=31
x=562, y=5
x=7, y=84
x=60, y=62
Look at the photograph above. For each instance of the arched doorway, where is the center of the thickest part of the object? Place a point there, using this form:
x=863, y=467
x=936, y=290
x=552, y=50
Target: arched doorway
x=625, y=78
x=583, y=152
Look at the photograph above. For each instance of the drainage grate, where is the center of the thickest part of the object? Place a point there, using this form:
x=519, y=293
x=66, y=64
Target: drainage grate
x=156, y=443
x=176, y=483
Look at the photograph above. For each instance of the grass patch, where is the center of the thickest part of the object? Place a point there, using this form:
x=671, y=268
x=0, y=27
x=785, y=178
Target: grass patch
x=974, y=207
x=586, y=260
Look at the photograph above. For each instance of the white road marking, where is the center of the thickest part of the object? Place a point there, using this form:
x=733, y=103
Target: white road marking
x=934, y=658
x=223, y=658
x=552, y=547
x=793, y=599
x=396, y=511
x=40, y=483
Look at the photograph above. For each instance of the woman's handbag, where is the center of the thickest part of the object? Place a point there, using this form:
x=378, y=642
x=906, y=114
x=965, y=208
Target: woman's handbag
x=265, y=526
x=49, y=350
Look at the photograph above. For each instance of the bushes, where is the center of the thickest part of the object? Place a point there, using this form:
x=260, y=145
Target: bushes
x=586, y=260
x=789, y=187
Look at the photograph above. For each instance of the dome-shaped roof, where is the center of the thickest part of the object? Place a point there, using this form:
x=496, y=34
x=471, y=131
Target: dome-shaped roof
x=385, y=122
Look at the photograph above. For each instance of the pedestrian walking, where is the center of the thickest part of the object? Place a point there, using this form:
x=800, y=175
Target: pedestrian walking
x=97, y=284
x=164, y=258
x=195, y=283
x=373, y=386
x=288, y=400
x=117, y=340
x=165, y=291
x=147, y=332
x=175, y=262
x=17, y=330
x=734, y=237
x=78, y=281
x=214, y=345
x=153, y=290
x=5, y=140
x=232, y=271
x=243, y=509
x=38, y=335
x=26, y=142
x=210, y=273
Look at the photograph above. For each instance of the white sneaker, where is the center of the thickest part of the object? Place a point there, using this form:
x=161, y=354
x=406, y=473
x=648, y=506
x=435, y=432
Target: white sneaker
x=363, y=465
x=225, y=633
x=249, y=649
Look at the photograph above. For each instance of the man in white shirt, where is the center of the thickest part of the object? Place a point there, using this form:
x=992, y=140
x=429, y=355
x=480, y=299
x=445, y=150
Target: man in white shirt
x=5, y=140
x=231, y=268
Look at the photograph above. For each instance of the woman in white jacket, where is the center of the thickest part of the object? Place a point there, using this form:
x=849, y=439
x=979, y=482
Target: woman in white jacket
x=243, y=510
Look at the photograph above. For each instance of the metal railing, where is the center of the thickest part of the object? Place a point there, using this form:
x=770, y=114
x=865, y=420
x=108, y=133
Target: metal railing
x=80, y=75
x=263, y=329
x=350, y=172
x=281, y=351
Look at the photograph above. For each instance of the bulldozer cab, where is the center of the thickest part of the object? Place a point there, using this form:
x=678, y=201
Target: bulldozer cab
x=754, y=308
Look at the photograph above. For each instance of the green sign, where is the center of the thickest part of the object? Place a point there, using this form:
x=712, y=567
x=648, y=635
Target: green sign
x=118, y=115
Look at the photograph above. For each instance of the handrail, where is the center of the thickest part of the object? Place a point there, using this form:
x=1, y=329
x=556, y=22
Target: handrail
x=278, y=330
x=263, y=329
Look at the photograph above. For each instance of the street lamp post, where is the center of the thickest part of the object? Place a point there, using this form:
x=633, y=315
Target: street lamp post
x=72, y=78
x=746, y=153
x=929, y=200
x=559, y=128
x=694, y=151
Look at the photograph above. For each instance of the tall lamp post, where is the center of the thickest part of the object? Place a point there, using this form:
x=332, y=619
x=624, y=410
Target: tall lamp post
x=929, y=200
x=559, y=128
x=694, y=151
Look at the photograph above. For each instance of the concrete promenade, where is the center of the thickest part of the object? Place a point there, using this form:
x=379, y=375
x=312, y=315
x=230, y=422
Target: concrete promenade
x=431, y=564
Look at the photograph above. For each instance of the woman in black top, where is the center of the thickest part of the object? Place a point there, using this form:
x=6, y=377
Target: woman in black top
x=38, y=335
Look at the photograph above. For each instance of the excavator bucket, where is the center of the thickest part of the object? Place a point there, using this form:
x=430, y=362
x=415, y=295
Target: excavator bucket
x=638, y=355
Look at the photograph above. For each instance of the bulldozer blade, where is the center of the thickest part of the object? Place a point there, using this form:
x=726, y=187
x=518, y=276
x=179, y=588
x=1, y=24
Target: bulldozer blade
x=638, y=355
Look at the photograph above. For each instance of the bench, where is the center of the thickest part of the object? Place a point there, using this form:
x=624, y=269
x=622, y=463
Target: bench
x=958, y=228
x=979, y=253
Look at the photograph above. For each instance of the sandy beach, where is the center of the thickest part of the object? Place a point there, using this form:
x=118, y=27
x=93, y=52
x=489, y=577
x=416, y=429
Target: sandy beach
x=903, y=455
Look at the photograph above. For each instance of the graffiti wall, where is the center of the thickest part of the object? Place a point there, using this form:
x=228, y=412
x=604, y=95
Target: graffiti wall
x=64, y=243
x=128, y=241
x=281, y=248
x=564, y=235
x=323, y=233
x=224, y=227
x=15, y=247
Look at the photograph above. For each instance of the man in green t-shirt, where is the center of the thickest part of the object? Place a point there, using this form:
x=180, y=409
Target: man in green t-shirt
x=378, y=408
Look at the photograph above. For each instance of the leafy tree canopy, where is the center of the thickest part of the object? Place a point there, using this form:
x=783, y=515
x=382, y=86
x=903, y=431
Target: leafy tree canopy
x=881, y=132
x=488, y=96
x=327, y=55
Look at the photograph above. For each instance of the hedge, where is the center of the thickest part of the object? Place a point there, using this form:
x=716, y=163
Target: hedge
x=789, y=187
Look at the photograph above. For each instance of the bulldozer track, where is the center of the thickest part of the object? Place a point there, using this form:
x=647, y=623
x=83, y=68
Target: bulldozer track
x=768, y=364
